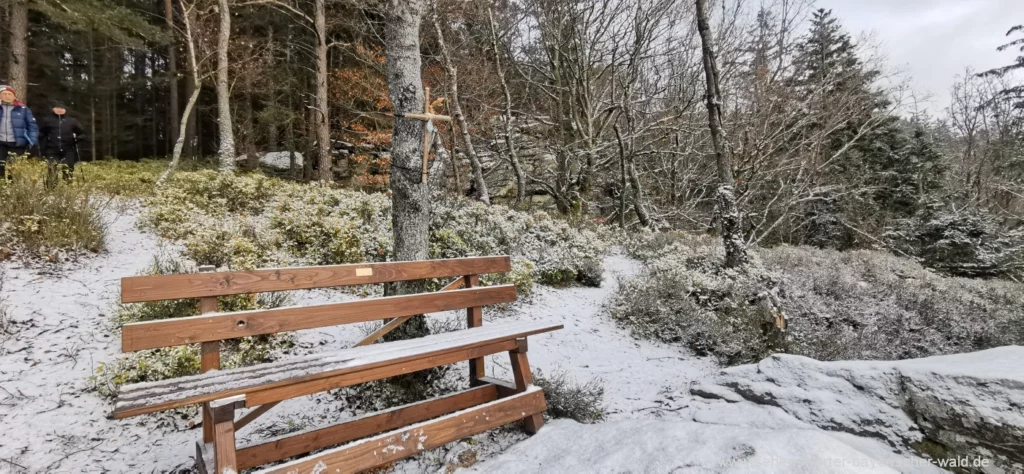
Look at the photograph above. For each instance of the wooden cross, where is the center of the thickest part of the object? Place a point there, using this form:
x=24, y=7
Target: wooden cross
x=426, y=117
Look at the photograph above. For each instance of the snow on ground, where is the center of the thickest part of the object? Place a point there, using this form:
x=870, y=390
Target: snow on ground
x=54, y=423
x=59, y=425
x=663, y=446
x=639, y=376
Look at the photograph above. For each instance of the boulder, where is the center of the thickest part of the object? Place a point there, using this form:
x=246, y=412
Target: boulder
x=966, y=409
x=278, y=160
x=676, y=446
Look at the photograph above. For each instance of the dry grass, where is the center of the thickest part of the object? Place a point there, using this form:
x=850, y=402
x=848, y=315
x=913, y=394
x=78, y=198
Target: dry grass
x=40, y=215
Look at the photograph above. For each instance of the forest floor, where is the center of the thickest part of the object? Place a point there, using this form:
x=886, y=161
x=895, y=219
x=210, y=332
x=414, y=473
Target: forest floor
x=56, y=422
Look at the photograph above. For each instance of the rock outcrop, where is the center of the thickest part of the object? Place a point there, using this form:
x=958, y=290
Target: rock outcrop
x=965, y=407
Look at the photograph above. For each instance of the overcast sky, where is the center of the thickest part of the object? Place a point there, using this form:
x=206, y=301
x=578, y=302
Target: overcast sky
x=934, y=40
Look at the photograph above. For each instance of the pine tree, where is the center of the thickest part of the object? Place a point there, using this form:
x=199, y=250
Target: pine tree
x=827, y=56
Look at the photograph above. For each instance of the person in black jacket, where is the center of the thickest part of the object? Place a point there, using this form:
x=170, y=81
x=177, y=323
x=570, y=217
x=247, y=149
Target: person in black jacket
x=59, y=139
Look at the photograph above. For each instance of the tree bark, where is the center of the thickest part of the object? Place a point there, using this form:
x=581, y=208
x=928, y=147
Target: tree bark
x=728, y=210
x=196, y=87
x=226, y=151
x=474, y=160
x=513, y=157
x=18, y=61
x=410, y=199
x=172, y=71
x=323, y=125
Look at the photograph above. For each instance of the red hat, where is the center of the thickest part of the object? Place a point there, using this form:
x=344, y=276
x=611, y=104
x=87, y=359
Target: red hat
x=8, y=88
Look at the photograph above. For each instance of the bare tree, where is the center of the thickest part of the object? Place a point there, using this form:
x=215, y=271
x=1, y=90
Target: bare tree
x=323, y=124
x=172, y=69
x=453, y=84
x=728, y=212
x=226, y=151
x=507, y=117
x=197, y=83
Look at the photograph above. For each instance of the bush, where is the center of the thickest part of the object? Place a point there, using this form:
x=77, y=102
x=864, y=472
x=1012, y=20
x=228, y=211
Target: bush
x=170, y=362
x=283, y=223
x=40, y=214
x=559, y=253
x=838, y=305
x=567, y=398
x=687, y=297
x=127, y=178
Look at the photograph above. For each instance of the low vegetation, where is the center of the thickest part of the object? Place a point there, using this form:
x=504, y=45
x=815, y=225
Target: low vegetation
x=567, y=398
x=824, y=304
x=170, y=362
x=127, y=178
x=250, y=220
x=42, y=216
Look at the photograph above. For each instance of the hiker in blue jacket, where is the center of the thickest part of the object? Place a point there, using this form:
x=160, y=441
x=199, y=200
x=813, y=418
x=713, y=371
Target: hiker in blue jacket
x=18, y=130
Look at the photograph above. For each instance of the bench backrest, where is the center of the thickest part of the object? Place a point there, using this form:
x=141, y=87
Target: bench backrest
x=212, y=325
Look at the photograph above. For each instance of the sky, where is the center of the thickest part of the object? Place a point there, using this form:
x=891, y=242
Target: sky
x=933, y=41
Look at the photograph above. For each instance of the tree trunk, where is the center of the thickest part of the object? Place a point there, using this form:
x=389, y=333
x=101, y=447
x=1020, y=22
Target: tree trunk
x=323, y=125
x=513, y=157
x=172, y=72
x=410, y=208
x=474, y=160
x=179, y=144
x=728, y=211
x=93, y=139
x=226, y=151
x=17, y=68
x=186, y=118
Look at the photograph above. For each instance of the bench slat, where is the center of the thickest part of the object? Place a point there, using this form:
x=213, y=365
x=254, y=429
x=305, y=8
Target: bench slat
x=294, y=444
x=150, y=397
x=196, y=285
x=220, y=326
x=389, y=447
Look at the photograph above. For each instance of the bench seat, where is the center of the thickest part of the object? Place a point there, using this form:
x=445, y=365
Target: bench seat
x=283, y=380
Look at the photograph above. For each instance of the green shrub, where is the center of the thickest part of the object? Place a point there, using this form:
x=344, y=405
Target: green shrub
x=559, y=253
x=40, y=215
x=169, y=362
x=568, y=398
x=285, y=223
x=127, y=178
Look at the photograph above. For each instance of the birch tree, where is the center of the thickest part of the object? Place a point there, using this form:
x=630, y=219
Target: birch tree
x=226, y=151
x=460, y=118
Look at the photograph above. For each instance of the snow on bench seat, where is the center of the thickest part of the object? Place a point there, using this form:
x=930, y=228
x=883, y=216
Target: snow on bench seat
x=150, y=397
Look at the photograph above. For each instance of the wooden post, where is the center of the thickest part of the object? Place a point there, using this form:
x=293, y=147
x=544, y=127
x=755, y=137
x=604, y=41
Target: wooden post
x=426, y=133
x=474, y=319
x=524, y=378
x=223, y=413
x=210, y=358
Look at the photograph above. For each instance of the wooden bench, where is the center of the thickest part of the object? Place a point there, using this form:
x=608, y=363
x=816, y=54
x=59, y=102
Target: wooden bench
x=373, y=439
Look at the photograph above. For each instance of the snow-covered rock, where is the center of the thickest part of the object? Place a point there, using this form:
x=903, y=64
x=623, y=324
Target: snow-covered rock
x=278, y=160
x=964, y=405
x=669, y=446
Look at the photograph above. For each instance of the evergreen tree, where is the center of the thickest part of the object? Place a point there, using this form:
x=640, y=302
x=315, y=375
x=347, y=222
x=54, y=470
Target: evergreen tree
x=827, y=56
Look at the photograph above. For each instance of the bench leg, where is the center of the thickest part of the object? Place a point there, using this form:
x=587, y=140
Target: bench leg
x=223, y=414
x=524, y=378
x=474, y=319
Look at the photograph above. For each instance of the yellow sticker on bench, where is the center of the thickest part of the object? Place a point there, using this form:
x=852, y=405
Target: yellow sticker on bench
x=363, y=272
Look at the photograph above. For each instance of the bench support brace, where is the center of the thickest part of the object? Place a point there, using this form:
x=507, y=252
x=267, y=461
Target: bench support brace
x=524, y=378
